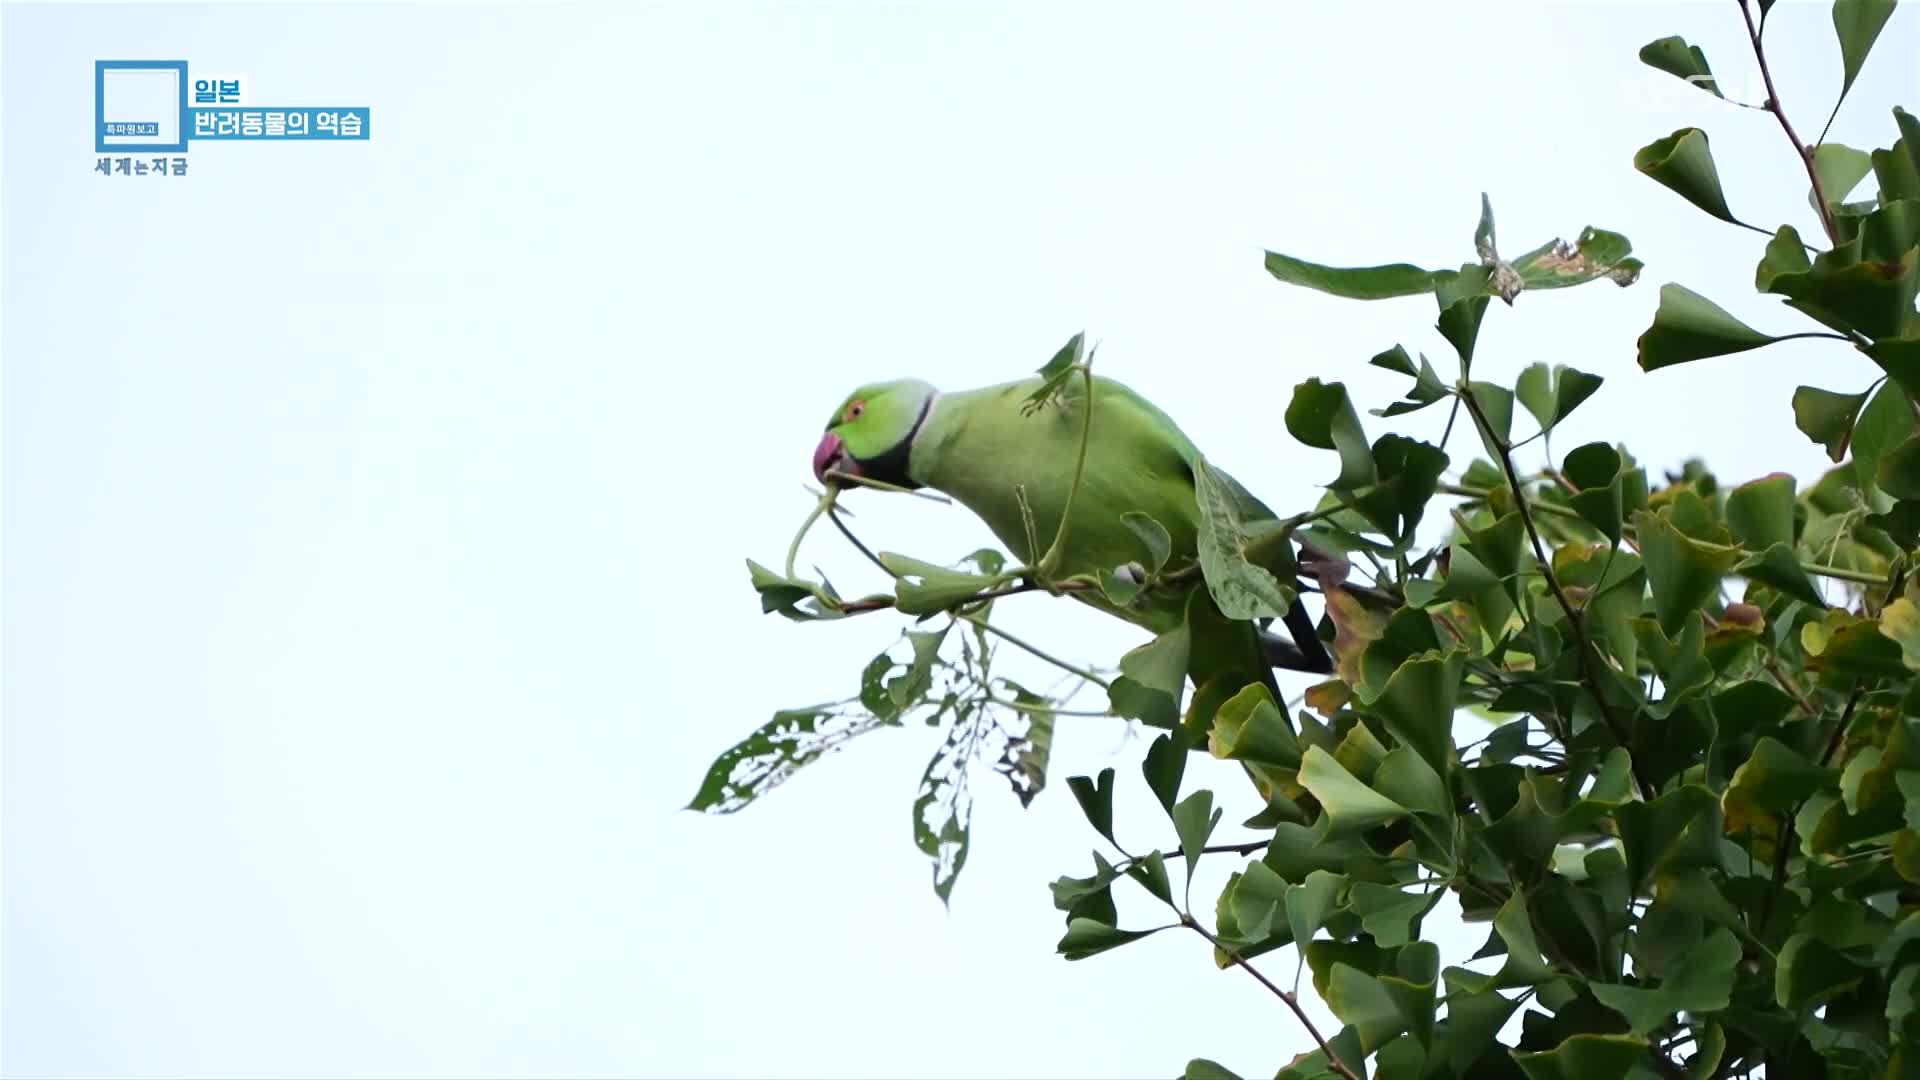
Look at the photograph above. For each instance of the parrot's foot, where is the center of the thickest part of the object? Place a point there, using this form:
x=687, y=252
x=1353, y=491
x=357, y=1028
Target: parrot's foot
x=1038, y=577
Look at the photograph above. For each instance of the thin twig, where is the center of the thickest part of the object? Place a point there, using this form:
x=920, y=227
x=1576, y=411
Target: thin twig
x=1482, y=493
x=1292, y=1001
x=834, y=516
x=1806, y=703
x=883, y=603
x=1766, y=232
x=881, y=485
x=1828, y=126
x=1840, y=729
x=1772, y=105
x=1841, y=573
x=1023, y=707
x=1036, y=651
x=793, y=547
x=1247, y=848
x=1783, y=840
x=1452, y=414
x=1589, y=655
x=1816, y=334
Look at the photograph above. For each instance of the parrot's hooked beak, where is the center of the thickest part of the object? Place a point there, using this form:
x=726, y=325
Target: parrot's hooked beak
x=831, y=456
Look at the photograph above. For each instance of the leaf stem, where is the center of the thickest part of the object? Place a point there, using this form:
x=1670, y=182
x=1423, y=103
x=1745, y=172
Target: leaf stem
x=1779, y=676
x=855, y=541
x=1036, y=651
x=1452, y=414
x=1247, y=848
x=1292, y=1001
x=882, y=485
x=1763, y=231
x=793, y=549
x=1483, y=493
x=1841, y=573
x=1784, y=839
x=1050, y=562
x=1023, y=707
x=1772, y=105
x=1817, y=334
x=884, y=603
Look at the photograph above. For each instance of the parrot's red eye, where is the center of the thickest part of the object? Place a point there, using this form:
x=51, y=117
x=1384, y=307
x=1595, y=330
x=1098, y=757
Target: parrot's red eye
x=855, y=410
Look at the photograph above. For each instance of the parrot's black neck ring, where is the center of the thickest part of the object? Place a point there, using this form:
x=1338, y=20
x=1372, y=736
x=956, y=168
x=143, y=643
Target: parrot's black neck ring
x=891, y=467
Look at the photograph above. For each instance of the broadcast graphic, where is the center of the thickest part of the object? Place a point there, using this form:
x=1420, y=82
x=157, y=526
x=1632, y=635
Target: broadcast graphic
x=148, y=113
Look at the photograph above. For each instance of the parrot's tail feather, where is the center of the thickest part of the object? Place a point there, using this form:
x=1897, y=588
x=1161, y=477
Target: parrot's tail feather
x=1304, y=653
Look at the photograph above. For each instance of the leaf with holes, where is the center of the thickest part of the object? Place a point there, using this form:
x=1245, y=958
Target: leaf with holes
x=1596, y=254
x=792, y=740
x=1024, y=762
x=943, y=807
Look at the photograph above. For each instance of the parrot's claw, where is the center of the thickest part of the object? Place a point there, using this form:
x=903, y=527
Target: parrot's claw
x=1036, y=577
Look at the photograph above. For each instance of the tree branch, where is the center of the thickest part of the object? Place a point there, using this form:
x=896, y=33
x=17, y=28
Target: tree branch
x=1783, y=842
x=1772, y=105
x=1589, y=655
x=1292, y=1001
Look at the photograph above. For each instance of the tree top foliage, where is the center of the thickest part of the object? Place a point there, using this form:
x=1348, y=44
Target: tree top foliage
x=1693, y=832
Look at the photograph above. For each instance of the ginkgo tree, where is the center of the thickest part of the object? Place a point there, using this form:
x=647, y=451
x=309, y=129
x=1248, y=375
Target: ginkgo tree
x=1694, y=833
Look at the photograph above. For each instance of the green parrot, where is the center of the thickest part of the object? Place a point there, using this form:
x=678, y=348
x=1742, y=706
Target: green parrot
x=979, y=446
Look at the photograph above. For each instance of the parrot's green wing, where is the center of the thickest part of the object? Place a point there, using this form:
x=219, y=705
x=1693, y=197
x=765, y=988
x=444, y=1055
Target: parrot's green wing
x=989, y=452
x=984, y=448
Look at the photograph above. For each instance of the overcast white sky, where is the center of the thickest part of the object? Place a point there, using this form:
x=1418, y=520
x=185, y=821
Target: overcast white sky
x=374, y=514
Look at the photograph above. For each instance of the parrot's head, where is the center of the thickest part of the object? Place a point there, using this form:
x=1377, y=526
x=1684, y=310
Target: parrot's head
x=871, y=433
